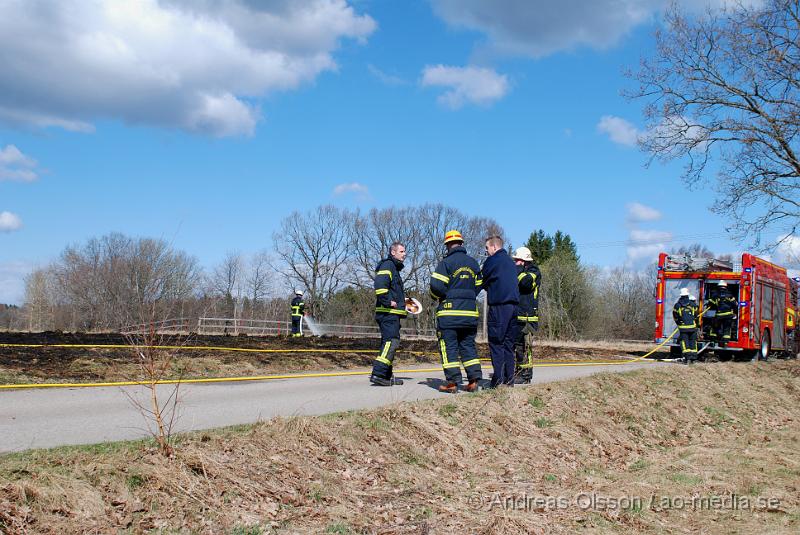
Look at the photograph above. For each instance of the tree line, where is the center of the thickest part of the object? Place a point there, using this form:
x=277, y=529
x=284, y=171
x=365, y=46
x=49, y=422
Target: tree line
x=114, y=281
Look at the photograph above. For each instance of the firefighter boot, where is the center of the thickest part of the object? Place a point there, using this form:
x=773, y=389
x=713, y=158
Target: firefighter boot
x=472, y=386
x=380, y=381
x=449, y=388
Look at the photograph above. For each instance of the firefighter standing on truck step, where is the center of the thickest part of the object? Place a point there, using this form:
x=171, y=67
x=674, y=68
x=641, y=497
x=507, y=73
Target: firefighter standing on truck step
x=686, y=315
x=725, y=307
x=390, y=306
x=298, y=307
x=455, y=284
x=529, y=280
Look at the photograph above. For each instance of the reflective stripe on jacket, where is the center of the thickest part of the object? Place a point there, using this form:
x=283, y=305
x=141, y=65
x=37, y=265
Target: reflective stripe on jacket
x=389, y=287
x=529, y=280
x=298, y=306
x=455, y=283
x=685, y=313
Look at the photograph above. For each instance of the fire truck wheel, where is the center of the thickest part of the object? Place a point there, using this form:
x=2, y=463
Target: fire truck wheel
x=763, y=353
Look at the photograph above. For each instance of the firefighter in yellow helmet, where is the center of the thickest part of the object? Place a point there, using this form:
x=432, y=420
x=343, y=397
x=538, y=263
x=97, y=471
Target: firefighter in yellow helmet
x=455, y=284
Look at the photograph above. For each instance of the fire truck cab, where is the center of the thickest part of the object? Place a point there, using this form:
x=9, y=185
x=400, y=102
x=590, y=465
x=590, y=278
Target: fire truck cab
x=766, y=323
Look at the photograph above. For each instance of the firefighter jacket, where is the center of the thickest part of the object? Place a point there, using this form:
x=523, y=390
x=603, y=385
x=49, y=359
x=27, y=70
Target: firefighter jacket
x=500, y=279
x=456, y=283
x=685, y=313
x=389, y=287
x=298, y=307
x=725, y=305
x=529, y=280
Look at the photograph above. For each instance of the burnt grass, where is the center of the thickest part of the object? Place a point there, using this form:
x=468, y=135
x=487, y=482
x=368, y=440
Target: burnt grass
x=52, y=364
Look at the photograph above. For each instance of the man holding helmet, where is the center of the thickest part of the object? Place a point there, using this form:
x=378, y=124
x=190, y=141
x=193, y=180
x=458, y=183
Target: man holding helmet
x=390, y=306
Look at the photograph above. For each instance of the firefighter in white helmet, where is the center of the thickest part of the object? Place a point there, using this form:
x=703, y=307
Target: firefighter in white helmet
x=686, y=315
x=298, y=307
x=529, y=280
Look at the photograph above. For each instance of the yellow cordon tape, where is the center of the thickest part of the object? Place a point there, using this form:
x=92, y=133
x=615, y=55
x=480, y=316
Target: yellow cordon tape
x=209, y=348
x=268, y=377
x=274, y=377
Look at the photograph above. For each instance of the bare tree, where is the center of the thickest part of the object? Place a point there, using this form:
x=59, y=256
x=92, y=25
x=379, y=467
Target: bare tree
x=38, y=300
x=312, y=251
x=625, y=305
x=258, y=280
x=227, y=281
x=726, y=86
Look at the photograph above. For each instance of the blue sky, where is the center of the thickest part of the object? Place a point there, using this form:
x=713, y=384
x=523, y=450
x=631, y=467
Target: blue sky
x=107, y=126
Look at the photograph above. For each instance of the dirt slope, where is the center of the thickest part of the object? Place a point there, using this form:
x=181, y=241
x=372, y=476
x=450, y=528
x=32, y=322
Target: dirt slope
x=608, y=454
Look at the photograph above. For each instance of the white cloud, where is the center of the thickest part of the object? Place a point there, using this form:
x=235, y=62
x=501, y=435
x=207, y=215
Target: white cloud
x=475, y=85
x=646, y=244
x=789, y=250
x=16, y=166
x=639, y=213
x=361, y=191
x=619, y=130
x=9, y=222
x=12, y=281
x=385, y=78
x=537, y=28
x=197, y=65
x=680, y=130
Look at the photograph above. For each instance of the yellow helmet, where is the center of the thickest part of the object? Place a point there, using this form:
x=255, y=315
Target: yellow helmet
x=453, y=235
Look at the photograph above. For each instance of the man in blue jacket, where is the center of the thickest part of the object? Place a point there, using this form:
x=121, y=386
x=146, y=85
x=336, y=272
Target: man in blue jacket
x=499, y=276
x=390, y=306
x=455, y=284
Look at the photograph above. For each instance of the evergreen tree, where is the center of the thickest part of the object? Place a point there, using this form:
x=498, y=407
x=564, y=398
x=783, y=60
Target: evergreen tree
x=541, y=246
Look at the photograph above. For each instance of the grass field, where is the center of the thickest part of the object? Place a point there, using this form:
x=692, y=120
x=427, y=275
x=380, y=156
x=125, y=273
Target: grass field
x=710, y=448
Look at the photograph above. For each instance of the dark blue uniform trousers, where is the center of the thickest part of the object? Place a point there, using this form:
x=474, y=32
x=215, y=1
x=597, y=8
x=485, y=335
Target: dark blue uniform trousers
x=389, y=325
x=502, y=327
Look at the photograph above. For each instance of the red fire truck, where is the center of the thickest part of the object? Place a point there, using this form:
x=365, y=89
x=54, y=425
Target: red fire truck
x=767, y=321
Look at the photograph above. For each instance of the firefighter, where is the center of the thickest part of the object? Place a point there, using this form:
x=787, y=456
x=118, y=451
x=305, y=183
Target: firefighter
x=499, y=276
x=709, y=319
x=389, y=308
x=455, y=284
x=725, y=307
x=298, y=308
x=686, y=316
x=529, y=280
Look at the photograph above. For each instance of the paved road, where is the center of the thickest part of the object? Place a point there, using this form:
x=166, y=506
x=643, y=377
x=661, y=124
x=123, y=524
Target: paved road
x=46, y=418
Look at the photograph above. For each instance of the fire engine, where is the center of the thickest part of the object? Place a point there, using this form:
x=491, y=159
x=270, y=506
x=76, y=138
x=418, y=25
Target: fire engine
x=767, y=320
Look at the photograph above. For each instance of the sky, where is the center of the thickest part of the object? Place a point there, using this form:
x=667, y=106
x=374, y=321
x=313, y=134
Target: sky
x=206, y=122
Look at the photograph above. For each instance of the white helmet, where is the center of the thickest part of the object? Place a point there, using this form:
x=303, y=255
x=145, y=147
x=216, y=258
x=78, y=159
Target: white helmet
x=723, y=284
x=298, y=292
x=685, y=292
x=524, y=254
x=692, y=298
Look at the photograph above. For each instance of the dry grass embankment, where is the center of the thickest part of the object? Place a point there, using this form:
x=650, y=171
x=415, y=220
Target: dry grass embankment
x=442, y=466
